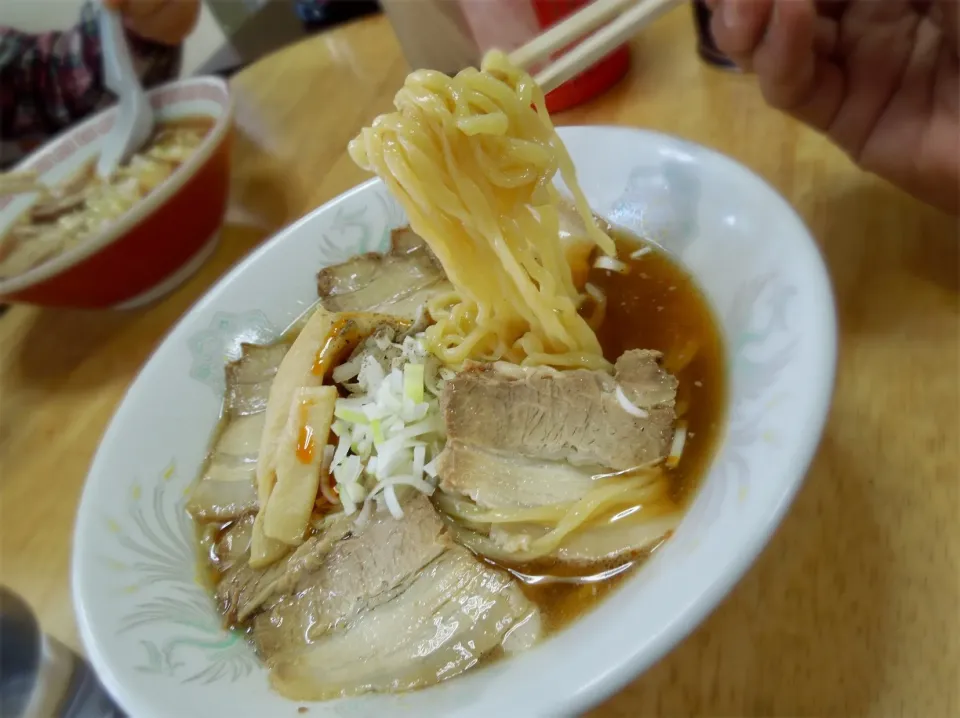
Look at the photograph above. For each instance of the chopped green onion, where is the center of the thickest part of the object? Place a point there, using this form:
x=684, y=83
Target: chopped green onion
x=350, y=415
x=377, y=432
x=413, y=382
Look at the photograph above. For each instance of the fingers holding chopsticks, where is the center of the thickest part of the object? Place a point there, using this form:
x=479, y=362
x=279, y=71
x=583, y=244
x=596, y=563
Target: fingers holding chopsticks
x=789, y=45
x=738, y=27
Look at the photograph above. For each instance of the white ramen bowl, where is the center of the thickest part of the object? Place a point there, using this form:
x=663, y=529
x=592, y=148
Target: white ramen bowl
x=151, y=630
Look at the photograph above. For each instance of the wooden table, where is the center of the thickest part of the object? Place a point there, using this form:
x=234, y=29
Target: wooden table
x=852, y=610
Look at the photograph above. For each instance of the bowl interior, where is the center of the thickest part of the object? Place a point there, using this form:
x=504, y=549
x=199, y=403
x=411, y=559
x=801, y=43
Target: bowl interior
x=150, y=628
x=66, y=154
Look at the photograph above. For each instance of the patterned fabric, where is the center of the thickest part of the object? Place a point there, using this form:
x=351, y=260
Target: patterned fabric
x=51, y=80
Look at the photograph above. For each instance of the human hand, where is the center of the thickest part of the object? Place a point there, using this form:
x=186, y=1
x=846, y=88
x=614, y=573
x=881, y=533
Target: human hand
x=167, y=22
x=879, y=77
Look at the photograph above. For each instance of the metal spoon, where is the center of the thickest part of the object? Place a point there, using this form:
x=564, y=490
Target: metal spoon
x=135, y=120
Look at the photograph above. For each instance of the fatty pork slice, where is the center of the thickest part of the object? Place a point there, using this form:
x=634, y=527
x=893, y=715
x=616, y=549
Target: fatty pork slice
x=398, y=282
x=244, y=590
x=226, y=489
x=451, y=613
x=494, y=480
x=360, y=562
x=522, y=437
x=395, y=605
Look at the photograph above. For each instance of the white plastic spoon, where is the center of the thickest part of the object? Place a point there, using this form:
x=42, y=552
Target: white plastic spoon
x=134, y=122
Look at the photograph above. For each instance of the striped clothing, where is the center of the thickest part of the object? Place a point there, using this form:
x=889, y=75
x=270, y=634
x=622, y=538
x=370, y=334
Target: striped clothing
x=51, y=80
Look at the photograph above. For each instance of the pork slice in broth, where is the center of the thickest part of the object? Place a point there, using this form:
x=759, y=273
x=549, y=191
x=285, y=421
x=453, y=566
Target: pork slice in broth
x=226, y=489
x=390, y=606
x=571, y=416
x=224, y=545
x=495, y=480
x=399, y=282
x=521, y=438
x=645, y=383
x=453, y=612
x=243, y=590
x=362, y=570
x=234, y=543
x=249, y=379
x=58, y=205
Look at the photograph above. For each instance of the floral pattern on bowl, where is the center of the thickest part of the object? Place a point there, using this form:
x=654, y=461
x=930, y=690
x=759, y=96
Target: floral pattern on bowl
x=154, y=551
x=150, y=627
x=220, y=343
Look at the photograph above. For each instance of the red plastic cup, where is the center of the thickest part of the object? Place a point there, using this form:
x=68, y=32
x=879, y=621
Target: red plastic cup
x=508, y=24
x=592, y=81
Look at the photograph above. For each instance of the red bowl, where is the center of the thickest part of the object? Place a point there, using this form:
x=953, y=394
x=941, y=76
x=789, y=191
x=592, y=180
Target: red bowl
x=162, y=239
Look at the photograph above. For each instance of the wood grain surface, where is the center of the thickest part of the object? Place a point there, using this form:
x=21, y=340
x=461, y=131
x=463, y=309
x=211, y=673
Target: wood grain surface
x=854, y=607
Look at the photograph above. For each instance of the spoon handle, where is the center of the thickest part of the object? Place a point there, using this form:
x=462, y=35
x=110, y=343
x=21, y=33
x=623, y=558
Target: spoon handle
x=118, y=71
x=134, y=117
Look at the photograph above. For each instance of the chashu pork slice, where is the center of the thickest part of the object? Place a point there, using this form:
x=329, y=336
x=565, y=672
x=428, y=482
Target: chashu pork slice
x=573, y=417
x=364, y=567
x=495, y=480
x=439, y=624
x=226, y=489
x=398, y=282
x=393, y=605
x=243, y=590
x=522, y=438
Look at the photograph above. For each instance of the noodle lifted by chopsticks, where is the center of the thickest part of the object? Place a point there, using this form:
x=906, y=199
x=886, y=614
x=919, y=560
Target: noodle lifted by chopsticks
x=472, y=159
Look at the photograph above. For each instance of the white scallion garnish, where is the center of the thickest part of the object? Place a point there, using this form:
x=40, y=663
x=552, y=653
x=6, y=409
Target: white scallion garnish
x=611, y=263
x=676, y=447
x=594, y=291
x=390, y=430
x=628, y=406
x=392, y=504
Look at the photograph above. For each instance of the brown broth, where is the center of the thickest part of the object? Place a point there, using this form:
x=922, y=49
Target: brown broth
x=655, y=305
